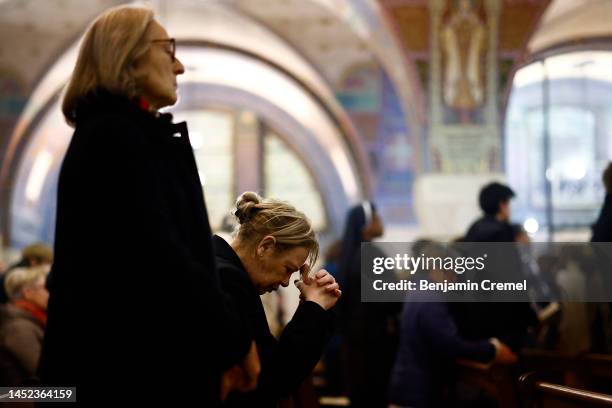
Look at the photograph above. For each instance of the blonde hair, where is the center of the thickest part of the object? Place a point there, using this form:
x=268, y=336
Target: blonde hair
x=259, y=217
x=111, y=45
x=18, y=279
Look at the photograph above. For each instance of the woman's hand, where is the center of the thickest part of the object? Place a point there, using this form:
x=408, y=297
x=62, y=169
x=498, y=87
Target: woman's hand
x=503, y=353
x=321, y=289
x=322, y=278
x=243, y=376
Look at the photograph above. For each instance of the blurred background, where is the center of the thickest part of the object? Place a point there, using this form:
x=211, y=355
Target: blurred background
x=328, y=102
x=412, y=104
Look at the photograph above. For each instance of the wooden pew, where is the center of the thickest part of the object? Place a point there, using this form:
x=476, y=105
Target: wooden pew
x=496, y=380
x=592, y=372
x=596, y=372
x=541, y=394
x=589, y=371
x=552, y=366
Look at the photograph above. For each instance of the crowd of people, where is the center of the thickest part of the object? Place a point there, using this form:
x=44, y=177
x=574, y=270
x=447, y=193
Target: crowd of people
x=404, y=355
x=179, y=309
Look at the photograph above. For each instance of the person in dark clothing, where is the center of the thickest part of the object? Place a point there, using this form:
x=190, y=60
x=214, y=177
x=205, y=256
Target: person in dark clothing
x=23, y=320
x=430, y=343
x=494, y=226
x=332, y=357
x=369, y=330
x=148, y=315
x=510, y=322
x=601, y=237
x=602, y=229
x=273, y=241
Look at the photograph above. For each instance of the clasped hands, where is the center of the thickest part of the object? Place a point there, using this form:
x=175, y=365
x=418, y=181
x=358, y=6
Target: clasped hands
x=321, y=288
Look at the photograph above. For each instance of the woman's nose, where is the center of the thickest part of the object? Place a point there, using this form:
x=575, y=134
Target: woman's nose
x=179, y=68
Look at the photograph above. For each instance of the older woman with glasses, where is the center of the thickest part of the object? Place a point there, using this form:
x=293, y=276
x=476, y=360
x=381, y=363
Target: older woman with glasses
x=145, y=319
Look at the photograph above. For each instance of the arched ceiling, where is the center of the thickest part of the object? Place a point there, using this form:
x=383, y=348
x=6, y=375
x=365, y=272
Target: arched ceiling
x=34, y=33
x=572, y=21
x=225, y=24
x=336, y=35
x=331, y=34
x=309, y=27
x=320, y=29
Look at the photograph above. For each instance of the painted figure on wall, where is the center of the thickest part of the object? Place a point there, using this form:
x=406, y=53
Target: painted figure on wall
x=464, y=44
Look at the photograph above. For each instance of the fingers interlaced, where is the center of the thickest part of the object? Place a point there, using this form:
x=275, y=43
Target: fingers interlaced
x=325, y=280
x=332, y=286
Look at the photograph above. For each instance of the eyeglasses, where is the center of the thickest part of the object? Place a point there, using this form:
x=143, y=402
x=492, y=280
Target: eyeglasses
x=171, y=48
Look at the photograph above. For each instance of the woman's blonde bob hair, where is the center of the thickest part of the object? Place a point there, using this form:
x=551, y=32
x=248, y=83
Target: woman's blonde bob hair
x=18, y=279
x=259, y=217
x=111, y=45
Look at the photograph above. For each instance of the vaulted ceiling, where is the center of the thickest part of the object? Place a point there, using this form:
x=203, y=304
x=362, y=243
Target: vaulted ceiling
x=572, y=21
x=33, y=33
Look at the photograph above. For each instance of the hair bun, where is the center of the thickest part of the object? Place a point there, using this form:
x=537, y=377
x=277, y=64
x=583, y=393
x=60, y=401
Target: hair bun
x=246, y=206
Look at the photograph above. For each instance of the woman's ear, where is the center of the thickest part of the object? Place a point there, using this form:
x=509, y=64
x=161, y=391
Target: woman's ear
x=267, y=243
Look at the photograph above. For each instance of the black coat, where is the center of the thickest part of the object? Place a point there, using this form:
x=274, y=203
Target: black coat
x=135, y=303
x=602, y=233
x=284, y=363
x=602, y=229
x=508, y=321
x=489, y=229
x=370, y=336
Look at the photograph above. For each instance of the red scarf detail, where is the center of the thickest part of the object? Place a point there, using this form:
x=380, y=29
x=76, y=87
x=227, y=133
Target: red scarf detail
x=38, y=313
x=144, y=104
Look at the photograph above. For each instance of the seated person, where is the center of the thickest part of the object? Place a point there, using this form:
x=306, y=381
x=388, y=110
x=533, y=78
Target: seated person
x=23, y=320
x=273, y=241
x=32, y=255
x=429, y=345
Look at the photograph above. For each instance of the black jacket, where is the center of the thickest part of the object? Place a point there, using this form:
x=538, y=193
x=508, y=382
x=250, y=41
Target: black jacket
x=509, y=322
x=601, y=238
x=284, y=363
x=136, y=308
x=370, y=336
x=489, y=229
x=602, y=229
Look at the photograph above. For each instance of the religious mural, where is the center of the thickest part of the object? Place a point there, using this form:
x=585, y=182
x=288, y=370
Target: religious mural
x=463, y=42
x=369, y=97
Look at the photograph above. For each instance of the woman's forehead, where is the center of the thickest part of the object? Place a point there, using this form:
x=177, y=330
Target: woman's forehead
x=156, y=31
x=297, y=255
